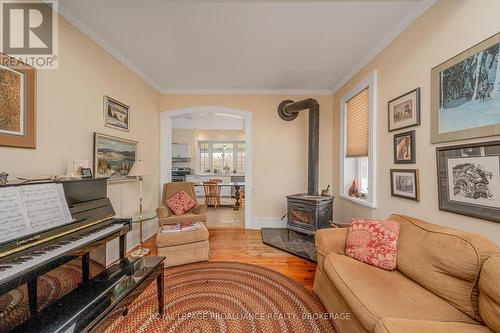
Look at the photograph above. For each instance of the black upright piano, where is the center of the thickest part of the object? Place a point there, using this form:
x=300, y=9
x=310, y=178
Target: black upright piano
x=84, y=219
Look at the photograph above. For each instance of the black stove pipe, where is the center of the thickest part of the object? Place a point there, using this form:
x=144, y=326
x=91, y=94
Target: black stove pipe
x=289, y=110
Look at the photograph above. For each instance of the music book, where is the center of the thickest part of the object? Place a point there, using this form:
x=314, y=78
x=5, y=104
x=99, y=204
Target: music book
x=29, y=209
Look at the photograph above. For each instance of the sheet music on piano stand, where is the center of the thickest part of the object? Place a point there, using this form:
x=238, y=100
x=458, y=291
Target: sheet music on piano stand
x=31, y=208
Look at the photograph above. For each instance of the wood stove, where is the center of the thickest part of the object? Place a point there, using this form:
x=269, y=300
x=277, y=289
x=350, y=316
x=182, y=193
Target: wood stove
x=307, y=212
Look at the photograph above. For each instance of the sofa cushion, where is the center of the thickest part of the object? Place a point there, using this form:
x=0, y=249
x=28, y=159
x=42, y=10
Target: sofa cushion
x=180, y=203
x=373, y=242
x=373, y=294
x=399, y=325
x=489, y=296
x=443, y=260
x=164, y=239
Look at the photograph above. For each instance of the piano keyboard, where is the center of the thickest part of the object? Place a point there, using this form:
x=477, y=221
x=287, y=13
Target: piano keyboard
x=46, y=254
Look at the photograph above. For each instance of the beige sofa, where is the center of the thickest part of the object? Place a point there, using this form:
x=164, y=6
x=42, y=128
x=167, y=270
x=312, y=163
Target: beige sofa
x=446, y=281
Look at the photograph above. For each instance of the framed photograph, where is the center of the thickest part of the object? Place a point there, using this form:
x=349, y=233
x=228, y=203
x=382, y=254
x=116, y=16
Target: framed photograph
x=404, y=111
x=404, y=148
x=404, y=184
x=116, y=114
x=86, y=173
x=17, y=103
x=465, y=94
x=469, y=179
x=113, y=157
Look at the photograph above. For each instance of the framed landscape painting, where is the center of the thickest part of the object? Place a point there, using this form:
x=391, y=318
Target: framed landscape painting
x=465, y=94
x=404, y=184
x=404, y=111
x=116, y=114
x=113, y=157
x=17, y=103
x=469, y=179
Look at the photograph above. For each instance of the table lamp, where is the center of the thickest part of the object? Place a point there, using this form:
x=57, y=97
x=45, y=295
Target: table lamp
x=139, y=170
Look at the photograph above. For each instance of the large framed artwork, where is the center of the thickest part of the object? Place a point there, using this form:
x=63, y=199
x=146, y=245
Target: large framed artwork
x=469, y=179
x=113, y=157
x=465, y=94
x=404, y=111
x=116, y=114
x=405, y=184
x=17, y=103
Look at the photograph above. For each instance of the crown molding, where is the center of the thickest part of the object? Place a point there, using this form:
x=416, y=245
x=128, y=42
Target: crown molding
x=106, y=46
x=232, y=92
x=388, y=38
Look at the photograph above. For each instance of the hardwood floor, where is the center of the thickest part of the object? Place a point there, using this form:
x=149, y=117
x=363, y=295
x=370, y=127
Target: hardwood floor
x=246, y=246
x=225, y=218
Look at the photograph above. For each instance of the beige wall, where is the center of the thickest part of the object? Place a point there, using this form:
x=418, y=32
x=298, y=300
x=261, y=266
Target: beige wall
x=192, y=136
x=446, y=29
x=69, y=107
x=279, y=148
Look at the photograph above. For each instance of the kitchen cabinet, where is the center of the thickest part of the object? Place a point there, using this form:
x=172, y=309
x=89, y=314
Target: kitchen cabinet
x=181, y=151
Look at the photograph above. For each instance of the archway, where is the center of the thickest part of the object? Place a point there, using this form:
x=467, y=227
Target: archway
x=166, y=142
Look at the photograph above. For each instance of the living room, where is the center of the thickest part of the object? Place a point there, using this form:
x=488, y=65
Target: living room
x=385, y=112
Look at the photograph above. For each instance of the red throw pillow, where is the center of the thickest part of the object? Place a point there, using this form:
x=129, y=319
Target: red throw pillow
x=180, y=203
x=373, y=242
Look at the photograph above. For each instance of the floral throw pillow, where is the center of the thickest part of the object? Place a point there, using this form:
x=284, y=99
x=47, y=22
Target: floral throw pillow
x=373, y=242
x=180, y=203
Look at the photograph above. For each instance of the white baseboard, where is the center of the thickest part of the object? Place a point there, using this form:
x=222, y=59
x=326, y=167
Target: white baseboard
x=268, y=222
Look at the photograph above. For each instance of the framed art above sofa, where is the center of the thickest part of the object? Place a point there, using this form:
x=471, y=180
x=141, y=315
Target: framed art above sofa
x=469, y=179
x=465, y=94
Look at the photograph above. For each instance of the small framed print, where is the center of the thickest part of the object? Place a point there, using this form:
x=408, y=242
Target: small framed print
x=469, y=179
x=404, y=184
x=86, y=173
x=404, y=111
x=116, y=114
x=404, y=148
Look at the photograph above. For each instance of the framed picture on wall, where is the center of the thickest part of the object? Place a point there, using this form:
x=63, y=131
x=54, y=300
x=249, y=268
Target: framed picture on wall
x=17, y=100
x=116, y=114
x=404, y=148
x=113, y=157
x=465, y=94
x=404, y=184
x=469, y=179
x=404, y=111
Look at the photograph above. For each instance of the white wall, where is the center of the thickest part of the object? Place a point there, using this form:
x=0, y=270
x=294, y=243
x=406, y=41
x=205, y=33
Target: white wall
x=445, y=30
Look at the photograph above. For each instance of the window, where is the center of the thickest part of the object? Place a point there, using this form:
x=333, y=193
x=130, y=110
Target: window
x=221, y=157
x=357, y=143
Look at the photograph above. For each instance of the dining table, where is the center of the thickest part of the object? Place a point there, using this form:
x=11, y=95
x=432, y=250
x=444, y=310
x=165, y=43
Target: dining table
x=237, y=194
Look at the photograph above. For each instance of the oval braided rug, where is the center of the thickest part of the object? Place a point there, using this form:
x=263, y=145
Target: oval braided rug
x=226, y=297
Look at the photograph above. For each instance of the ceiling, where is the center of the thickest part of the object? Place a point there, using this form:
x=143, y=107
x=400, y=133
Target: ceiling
x=255, y=46
x=214, y=119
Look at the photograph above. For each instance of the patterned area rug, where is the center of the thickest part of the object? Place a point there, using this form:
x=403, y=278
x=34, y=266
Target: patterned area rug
x=51, y=286
x=226, y=297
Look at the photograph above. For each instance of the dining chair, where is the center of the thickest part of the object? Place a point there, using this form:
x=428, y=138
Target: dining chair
x=217, y=181
x=212, y=194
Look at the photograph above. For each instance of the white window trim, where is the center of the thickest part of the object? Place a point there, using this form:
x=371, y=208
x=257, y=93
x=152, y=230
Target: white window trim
x=369, y=82
x=210, y=153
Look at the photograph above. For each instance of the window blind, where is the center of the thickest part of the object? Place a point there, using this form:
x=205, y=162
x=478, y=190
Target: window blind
x=357, y=125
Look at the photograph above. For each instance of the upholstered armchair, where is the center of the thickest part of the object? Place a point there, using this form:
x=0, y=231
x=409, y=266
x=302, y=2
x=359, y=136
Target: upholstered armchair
x=166, y=216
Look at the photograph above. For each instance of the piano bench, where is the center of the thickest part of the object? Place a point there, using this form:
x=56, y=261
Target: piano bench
x=181, y=248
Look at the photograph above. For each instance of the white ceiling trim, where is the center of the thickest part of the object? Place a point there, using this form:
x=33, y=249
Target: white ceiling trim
x=388, y=38
x=105, y=45
x=272, y=92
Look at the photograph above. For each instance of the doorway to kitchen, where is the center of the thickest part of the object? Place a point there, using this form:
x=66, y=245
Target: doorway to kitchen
x=211, y=144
